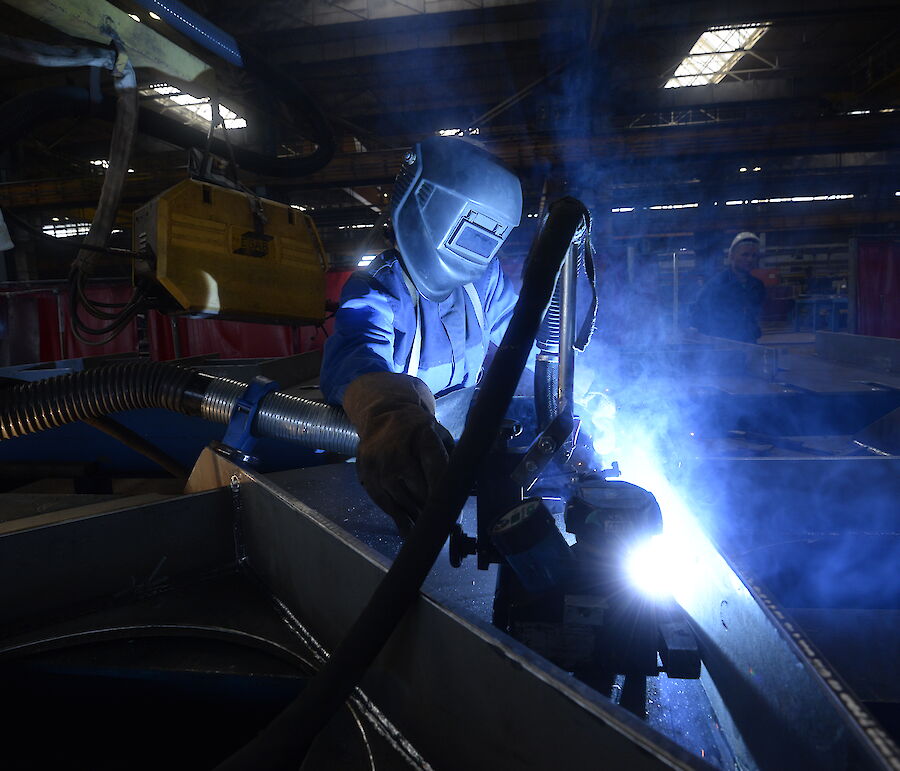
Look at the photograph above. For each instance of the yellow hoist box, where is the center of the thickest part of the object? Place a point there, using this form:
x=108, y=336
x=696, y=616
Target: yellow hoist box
x=225, y=253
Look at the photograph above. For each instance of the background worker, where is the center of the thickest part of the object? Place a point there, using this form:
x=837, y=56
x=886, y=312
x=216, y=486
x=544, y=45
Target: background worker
x=730, y=303
x=418, y=321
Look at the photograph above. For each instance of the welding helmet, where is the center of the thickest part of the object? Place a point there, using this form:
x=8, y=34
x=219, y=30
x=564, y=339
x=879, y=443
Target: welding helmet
x=453, y=206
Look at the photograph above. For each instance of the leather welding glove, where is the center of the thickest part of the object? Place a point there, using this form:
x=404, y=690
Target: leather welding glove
x=402, y=450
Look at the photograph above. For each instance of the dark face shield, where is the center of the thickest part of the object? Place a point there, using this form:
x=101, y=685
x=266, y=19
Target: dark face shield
x=453, y=207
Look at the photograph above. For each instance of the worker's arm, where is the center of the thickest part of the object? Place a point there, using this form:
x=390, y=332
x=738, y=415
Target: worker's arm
x=364, y=335
x=402, y=448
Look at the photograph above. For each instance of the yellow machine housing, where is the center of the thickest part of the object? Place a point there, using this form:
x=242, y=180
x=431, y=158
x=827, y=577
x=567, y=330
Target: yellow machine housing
x=214, y=255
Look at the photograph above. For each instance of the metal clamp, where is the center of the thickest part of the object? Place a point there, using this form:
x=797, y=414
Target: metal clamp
x=238, y=434
x=545, y=446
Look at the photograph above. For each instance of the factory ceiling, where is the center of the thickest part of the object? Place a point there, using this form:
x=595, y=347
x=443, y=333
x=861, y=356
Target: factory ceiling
x=571, y=93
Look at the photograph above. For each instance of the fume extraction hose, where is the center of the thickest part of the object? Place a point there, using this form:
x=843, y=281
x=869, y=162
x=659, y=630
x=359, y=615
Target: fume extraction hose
x=92, y=393
x=283, y=744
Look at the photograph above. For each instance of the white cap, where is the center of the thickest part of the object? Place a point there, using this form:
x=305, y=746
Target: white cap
x=745, y=236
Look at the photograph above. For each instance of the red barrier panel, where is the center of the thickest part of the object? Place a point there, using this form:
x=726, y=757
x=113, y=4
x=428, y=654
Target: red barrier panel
x=37, y=328
x=878, y=290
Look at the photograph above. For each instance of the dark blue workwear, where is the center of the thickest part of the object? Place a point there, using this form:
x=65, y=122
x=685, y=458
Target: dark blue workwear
x=375, y=328
x=729, y=306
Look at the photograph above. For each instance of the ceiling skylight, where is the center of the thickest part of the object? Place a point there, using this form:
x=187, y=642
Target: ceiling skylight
x=191, y=109
x=715, y=53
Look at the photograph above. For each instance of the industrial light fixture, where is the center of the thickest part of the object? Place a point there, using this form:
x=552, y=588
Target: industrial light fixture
x=102, y=163
x=715, y=54
x=154, y=16
x=458, y=132
x=192, y=109
x=793, y=199
x=365, y=260
x=134, y=16
x=674, y=206
x=66, y=229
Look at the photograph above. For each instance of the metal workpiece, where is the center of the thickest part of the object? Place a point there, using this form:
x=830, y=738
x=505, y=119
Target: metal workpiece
x=817, y=547
x=444, y=665
x=781, y=702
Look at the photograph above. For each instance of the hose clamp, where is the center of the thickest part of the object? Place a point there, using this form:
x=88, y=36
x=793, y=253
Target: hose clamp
x=239, y=433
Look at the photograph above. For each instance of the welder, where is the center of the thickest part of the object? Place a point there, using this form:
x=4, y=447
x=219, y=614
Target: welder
x=729, y=305
x=418, y=321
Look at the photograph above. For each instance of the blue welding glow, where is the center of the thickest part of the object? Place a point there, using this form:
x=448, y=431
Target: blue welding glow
x=598, y=409
x=649, y=567
x=676, y=561
x=197, y=28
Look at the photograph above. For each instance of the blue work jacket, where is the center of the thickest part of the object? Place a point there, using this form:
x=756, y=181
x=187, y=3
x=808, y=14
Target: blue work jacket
x=729, y=306
x=375, y=328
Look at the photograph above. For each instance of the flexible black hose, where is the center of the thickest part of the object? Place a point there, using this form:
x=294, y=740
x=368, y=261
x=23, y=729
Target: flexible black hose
x=45, y=404
x=285, y=742
x=27, y=408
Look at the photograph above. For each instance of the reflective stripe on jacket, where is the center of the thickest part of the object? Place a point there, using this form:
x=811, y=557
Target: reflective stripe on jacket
x=375, y=327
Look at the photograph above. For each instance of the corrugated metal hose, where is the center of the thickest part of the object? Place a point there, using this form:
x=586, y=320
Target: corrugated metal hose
x=44, y=404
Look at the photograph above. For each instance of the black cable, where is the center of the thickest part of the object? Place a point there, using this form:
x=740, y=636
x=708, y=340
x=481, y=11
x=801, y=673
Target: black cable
x=286, y=741
x=95, y=308
x=119, y=321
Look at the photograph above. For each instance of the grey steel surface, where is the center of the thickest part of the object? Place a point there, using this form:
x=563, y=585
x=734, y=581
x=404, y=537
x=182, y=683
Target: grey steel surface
x=490, y=702
x=794, y=706
x=877, y=353
x=861, y=643
x=60, y=561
